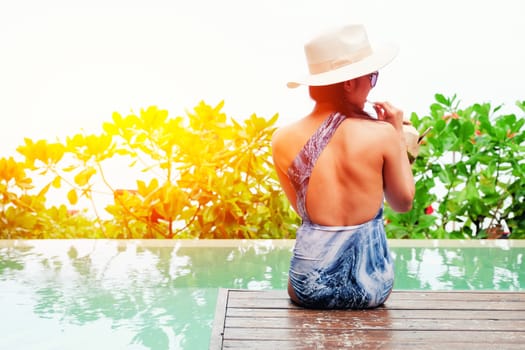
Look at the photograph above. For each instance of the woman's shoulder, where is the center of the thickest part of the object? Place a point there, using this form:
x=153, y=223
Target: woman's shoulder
x=369, y=126
x=283, y=140
x=367, y=134
x=286, y=133
x=285, y=144
x=280, y=134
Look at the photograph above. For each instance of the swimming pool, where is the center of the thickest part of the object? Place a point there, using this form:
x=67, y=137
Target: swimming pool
x=148, y=294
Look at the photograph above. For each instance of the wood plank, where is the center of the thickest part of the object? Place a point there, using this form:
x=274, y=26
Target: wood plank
x=461, y=295
x=335, y=344
x=392, y=313
x=398, y=300
x=409, y=320
x=371, y=323
x=394, y=303
x=349, y=335
x=400, y=295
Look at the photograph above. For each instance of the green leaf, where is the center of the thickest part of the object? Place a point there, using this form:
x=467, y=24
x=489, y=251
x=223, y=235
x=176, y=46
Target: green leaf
x=466, y=131
x=472, y=191
x=441, y=99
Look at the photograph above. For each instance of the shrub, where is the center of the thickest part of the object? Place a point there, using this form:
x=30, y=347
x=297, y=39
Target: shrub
x=470, y=174
x=203, y=176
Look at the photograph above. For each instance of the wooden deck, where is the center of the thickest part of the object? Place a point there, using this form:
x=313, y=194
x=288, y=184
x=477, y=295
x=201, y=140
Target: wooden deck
x=409, y=320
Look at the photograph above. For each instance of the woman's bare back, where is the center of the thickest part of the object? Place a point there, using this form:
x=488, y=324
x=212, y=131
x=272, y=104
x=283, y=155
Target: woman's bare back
x=345, y=187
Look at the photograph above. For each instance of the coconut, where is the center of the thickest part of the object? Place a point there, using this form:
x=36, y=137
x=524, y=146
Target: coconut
x=411, y=139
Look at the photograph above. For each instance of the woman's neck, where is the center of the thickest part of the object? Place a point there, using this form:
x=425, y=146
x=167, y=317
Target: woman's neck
x=353, y=111
x=350, y=111
x=324, y=108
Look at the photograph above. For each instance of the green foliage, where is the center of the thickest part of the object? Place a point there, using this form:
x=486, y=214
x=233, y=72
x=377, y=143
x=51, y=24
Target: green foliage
x=470, y=173
x=205, y=175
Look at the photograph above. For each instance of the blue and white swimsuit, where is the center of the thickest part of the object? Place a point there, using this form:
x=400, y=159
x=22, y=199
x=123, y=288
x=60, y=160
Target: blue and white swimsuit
x=336, y=267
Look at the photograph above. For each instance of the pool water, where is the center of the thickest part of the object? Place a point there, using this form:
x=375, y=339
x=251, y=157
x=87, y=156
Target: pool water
x=107, y=294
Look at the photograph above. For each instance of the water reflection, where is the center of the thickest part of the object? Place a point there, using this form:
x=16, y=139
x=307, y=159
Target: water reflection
x=460, y=268
x=164, y=297
x=127, y=295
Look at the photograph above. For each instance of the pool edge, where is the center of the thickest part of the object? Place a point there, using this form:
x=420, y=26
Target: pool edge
x=268, y=243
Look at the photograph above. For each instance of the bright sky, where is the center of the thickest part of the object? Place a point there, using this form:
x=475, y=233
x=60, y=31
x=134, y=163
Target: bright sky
x=67, y=67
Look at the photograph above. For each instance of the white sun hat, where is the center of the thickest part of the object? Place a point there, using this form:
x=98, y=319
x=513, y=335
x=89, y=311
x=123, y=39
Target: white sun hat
x=343, y=54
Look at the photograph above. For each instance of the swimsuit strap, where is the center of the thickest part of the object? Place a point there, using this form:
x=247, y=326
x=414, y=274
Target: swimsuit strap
x=303, y=164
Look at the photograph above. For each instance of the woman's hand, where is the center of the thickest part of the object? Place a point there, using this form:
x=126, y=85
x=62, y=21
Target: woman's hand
x=411, y=140
x=390, y=114
x=410, y=136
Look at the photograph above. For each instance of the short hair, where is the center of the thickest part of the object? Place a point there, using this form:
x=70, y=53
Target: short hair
x=335, y=94
x=328, y=93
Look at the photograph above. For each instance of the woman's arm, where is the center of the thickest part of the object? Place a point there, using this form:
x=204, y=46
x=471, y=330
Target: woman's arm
x=398, y=181
x=279, y=147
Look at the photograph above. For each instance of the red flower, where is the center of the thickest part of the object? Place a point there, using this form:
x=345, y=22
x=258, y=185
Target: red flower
x=450, y=116
x=429, y=210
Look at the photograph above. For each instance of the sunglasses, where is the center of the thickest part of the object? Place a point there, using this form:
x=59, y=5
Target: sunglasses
x=373, y=78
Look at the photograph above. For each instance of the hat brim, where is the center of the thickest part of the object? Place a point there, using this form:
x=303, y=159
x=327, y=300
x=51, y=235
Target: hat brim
x=380, y=57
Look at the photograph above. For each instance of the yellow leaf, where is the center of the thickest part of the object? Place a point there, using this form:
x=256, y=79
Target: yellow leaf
x=44, y=190
x=154, y=183
x=141, y=186
x=110, y=128
x=117, y=118
x=83, y=177
x=4, y=174
x=76, y=141
x=56, y=182
x=70, y=168
x=72, y=197
x=55, y=152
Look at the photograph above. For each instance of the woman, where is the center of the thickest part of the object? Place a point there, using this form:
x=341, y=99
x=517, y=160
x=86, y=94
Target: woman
x=337, y=165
